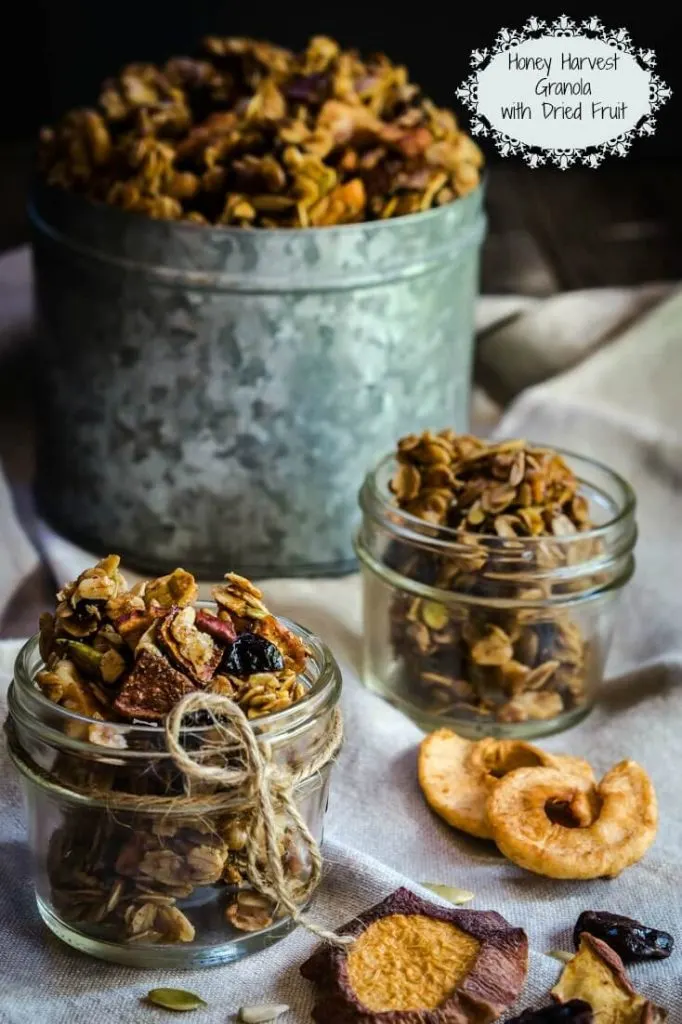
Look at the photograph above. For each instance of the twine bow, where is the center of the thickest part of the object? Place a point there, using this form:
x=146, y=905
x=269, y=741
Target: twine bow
x=245, y=767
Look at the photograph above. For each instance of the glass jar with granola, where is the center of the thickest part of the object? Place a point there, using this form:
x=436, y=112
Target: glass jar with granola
x=491, y=575
x=176, y=759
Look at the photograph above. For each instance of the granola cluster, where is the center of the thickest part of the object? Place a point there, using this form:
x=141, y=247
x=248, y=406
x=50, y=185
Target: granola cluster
x=119, y=654
x=489, y=656
x=126, y=655
x=253, y=135
x=136, y=879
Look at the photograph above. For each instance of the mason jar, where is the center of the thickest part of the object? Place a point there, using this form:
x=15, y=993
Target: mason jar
x=514, y=645
x=127, y=867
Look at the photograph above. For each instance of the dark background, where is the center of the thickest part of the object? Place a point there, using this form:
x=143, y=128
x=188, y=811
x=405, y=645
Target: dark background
x=549, y=230
x=81, y=41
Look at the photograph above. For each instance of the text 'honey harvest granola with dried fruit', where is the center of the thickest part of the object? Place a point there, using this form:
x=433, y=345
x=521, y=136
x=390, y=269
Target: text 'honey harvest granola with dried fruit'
x=186, y=773
x=251, y=134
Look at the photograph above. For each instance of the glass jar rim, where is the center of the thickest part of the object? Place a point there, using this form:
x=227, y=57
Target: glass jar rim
x=381, y=507
x=30, y=702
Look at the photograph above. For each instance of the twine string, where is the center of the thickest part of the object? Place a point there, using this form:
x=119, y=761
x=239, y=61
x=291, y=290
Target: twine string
x=267, y=788
x=241, y=772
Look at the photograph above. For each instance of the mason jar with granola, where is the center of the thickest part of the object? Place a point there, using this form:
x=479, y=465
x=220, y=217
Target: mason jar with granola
x=176, y=760
x=491, y=575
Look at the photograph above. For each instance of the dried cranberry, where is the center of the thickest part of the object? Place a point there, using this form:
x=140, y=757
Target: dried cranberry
x=218, y=628
x=307, y=89
x=575, y=1011
x=250, y=653
x=630, y=939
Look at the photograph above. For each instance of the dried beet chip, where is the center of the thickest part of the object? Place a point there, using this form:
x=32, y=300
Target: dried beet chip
x=465, y=958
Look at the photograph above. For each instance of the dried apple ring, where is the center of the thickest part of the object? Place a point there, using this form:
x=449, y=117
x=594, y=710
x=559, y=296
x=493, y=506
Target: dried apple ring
x=532, y=816
x=456, y=775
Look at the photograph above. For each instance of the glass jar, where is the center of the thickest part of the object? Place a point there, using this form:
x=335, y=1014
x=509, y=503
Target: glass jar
x=161, y=883
x=492, y=636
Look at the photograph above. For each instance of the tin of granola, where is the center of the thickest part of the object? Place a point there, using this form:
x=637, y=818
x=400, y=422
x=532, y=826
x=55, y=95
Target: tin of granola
x=254, y=269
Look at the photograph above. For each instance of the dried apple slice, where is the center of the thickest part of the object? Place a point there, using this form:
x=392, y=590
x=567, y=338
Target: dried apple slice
x=457, y=775
x=193, y=650
x=177, y=588
x=414, y=961
x=614, y=824
x=597, y=974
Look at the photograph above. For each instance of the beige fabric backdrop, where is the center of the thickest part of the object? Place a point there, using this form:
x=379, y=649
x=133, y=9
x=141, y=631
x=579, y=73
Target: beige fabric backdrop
x=621, y=405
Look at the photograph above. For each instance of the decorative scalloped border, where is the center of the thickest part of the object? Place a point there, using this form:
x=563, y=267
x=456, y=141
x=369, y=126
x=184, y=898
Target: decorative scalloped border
x=591, y=156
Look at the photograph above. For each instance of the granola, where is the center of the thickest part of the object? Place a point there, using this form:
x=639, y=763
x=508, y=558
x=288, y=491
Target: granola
x=135, y=878
x=515, y=518
x=139, y=650
x=253, y=135
x=122, y=656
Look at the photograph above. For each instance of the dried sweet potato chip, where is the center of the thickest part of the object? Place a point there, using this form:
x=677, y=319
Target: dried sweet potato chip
x=411, y=957
x=597, y=974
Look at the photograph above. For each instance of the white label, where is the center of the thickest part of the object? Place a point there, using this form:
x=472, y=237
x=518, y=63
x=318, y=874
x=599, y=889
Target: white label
x=563, y=92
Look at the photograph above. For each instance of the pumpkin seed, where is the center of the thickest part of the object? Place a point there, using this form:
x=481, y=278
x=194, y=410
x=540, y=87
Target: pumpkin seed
x=262, y=1014
x=561, y=954
x=175, y=999
x=449, y=892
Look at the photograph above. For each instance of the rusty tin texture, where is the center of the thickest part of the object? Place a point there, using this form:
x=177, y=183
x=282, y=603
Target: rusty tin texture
x=213, y=397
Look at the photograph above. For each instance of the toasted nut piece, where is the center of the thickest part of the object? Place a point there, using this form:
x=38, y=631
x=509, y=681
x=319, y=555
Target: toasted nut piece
x=495, y=648
x=623, y=828
x=251, y=912
x=457, y=775
x=597, y=974
x=112, y=666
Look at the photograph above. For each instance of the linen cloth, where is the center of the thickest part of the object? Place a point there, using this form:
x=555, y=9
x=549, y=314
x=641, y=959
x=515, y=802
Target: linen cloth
x=619, y=403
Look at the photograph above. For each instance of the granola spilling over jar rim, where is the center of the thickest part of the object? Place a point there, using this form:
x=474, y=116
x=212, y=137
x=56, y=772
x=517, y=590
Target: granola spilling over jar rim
x=249, y=134
x=141, y=855
x=492, y=550
x=114, y=653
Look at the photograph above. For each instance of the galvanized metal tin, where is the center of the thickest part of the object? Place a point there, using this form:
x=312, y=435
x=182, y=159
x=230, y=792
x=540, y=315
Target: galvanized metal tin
x=213, y=397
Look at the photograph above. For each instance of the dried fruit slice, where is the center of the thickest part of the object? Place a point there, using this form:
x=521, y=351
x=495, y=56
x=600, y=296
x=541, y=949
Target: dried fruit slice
x=457, y=775
x=613, y=827
x=151, y=689
x=178, y=587
x=597, y=974
x=576, y=1011
x=287, y=643
x=250, y=654
x=194, y=651
x=221, y=629
x=411, y=957
x=630, y=939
